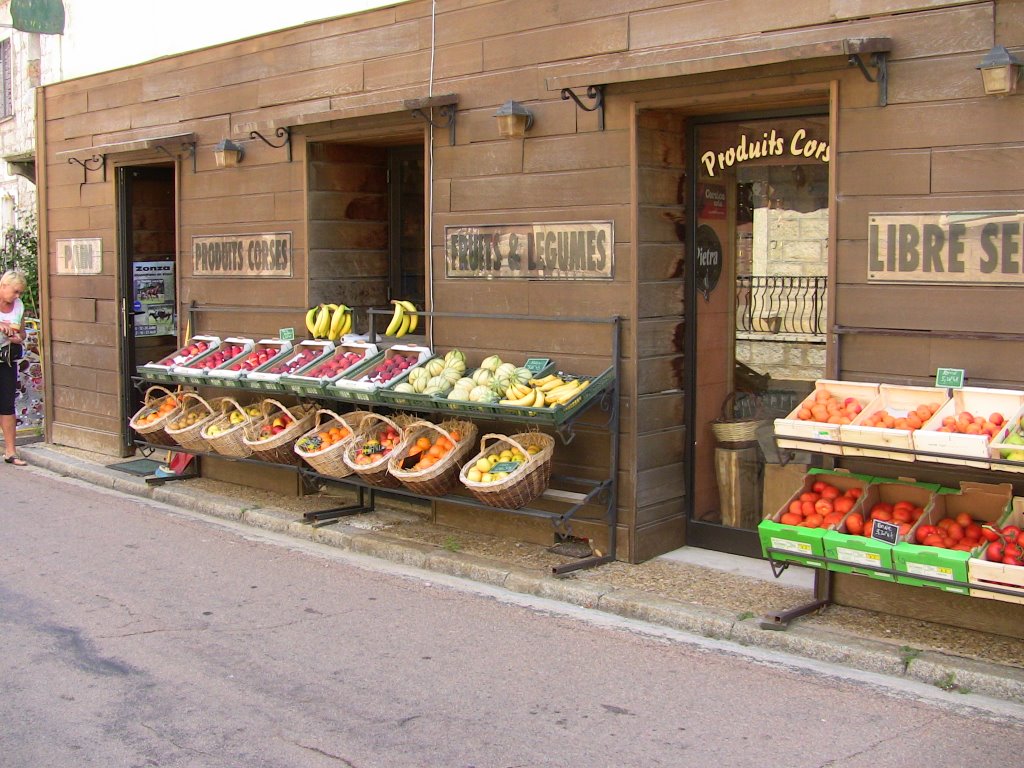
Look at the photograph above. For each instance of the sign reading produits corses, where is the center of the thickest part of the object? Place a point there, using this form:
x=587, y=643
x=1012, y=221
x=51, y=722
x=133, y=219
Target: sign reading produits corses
x=768, y=144
x=978, y=247
x=257, y=255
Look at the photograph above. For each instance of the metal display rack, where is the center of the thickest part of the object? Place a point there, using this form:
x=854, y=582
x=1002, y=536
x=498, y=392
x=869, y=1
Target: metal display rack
x=822, y=576
x=572, y=492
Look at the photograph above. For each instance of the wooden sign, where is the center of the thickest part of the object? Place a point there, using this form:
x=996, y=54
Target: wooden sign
x=260, y=255
x=967, y=248
x=80, y=256
x=550, y=251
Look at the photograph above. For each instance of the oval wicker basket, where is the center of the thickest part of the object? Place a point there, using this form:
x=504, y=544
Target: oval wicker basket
x=330, y=461
x=279, y=448
x=190, y=436
x=524, y=484
x=228, y=442
x=731, y=428
x=439, y=478
x=375, y=472
x=153, y=431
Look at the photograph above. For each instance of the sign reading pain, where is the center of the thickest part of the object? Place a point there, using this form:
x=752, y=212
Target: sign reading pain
x=975, y=247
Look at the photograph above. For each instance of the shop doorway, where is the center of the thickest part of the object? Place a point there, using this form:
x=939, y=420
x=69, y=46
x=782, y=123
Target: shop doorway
x=147, y=271
x=366, y=225
x=757, y=277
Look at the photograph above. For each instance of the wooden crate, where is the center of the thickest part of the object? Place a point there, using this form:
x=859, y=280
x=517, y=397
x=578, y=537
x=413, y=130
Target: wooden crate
x=898, y=401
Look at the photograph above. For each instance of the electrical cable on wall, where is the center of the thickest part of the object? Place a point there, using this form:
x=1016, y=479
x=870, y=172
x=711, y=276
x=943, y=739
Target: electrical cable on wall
x=430, y=179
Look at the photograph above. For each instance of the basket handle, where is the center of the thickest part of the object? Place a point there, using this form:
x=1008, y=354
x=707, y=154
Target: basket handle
x=529, y=456
x=196, y=396
x=229, y=403
x=270, y=402
x=385, y=419
x=148, y=398
x=331, y=414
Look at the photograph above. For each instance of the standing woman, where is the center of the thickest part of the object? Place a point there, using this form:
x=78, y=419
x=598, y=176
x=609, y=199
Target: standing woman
x=12, y=313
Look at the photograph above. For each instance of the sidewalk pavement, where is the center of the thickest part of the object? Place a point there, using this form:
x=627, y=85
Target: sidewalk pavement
x=719, y=598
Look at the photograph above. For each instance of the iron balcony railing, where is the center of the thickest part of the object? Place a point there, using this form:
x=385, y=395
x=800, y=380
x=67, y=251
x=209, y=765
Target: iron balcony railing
x=780, y=304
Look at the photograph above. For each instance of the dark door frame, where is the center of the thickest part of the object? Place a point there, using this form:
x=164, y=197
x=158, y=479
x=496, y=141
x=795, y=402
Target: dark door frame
x=125, y=252
x=701, y=534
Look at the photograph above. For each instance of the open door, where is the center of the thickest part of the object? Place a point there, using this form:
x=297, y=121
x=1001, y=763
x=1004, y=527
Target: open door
x=147, y=272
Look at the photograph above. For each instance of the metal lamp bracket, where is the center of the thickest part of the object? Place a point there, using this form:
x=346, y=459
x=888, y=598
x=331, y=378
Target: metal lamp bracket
x=446, y=111
x=94, y=163
x=188, y=146
x=594, y=92
x=879, y=62
x=281, y=133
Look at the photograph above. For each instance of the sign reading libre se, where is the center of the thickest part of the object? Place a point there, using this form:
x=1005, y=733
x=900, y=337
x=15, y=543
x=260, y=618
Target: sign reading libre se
x=262, y=255
x=982, y=247
x=549, y=251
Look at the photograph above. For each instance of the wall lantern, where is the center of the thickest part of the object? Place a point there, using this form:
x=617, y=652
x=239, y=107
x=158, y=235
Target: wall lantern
x=514, y=120
x=1000, y=71
x=227, y=154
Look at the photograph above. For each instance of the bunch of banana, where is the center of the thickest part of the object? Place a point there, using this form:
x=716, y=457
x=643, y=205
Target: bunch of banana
x=328, y=321
x=405, y=320
x=557, y=390
x=523, y=395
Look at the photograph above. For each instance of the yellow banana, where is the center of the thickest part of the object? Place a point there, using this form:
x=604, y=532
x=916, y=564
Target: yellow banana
x=332, y=307
x=538, y=399
x=311, y=318
x=396, y=319
x=404, y=328
x=323, y=322
x=517, y=391
x=554, y=384
x=545, y=380
x=346, y=325
x=556, y=395
x=337, y=322
x=410, y=309
x=527, y=399
x=567, y=396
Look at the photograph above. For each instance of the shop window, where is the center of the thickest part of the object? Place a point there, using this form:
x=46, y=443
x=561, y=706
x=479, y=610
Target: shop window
x=6, y=100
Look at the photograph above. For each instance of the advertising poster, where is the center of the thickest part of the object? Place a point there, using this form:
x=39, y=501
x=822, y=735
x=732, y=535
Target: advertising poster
x=153, y=298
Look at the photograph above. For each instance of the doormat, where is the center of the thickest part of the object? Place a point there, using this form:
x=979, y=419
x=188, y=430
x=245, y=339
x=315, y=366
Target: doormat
x=141, y=467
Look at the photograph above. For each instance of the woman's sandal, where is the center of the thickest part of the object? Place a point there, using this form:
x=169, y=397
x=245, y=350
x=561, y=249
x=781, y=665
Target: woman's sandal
x=15, y=461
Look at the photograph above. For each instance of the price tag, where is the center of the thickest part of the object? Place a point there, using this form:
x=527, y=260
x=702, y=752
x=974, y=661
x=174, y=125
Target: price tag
x=505, y=466
x=286, y=334
x=949, y=377
x=537, y=364
x=883, y=531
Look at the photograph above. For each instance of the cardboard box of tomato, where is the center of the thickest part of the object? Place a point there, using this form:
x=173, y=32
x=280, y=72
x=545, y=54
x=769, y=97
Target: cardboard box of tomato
x=858, y=546
x=944, y=540
x=1002, y=575
x=795, y=531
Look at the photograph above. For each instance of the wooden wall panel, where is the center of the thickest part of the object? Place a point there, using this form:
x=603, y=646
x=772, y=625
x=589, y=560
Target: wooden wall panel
x=976, y=169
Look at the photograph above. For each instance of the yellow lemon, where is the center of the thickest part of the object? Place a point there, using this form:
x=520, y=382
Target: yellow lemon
x=487, y=477
x=474, y=474
x=482, y=465
x=493, y=459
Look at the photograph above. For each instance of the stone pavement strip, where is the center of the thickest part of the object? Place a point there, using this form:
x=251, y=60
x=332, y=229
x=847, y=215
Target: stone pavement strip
x=698, y=600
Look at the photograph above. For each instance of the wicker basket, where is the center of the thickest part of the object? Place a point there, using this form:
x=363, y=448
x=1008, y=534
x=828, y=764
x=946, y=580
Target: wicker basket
x=190, y=437
x=330, y=461
x=731, y=428
x=523, y=485
x=376, y=472
x=153, y=431
x=443, y=475
x=279, y=448
x=229, y=442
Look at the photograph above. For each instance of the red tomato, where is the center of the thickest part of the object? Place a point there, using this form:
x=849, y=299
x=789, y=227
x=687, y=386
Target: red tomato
x=832, y=520
x=924, y=531
x=806, y=508
x=843, y=504
x=994, y=552
x=964, y=519
x=809, y=496
x=945, y=522
x=795, y=508
x=905, y=528
x=854, y=493
x=973, y=531
x=901, y=515
x=955, y=531
x=830, y=492
x=882, y=506
x=823, y=507
x=933, y=540
x=818, y=485
x=885, y=515
x=788, y=518
x=1011, y=532
x=812, y=521
x=855, y=523
x=989, y=533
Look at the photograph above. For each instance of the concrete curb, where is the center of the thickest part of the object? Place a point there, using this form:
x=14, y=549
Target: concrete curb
x=928, y=667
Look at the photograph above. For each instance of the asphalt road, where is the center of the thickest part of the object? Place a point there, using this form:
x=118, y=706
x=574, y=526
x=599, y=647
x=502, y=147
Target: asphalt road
x=133, y=634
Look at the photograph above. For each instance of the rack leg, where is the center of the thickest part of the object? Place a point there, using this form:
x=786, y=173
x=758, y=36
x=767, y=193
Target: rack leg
x=822, y=597
x=328, y=516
